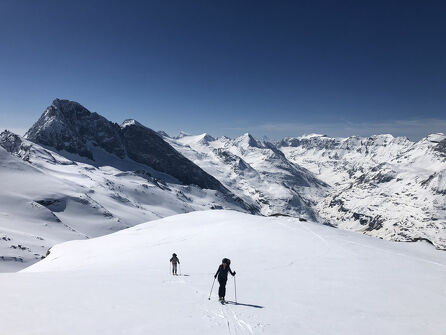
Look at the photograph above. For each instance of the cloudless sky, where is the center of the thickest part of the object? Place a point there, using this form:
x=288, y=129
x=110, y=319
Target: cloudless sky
x=275, y=68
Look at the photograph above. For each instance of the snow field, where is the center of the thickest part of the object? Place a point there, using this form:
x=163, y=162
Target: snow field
x=44, y=202
x=309, y=279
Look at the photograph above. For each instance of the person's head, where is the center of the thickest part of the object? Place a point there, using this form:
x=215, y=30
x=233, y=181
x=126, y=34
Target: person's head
x=174, y=255
x=226, y=262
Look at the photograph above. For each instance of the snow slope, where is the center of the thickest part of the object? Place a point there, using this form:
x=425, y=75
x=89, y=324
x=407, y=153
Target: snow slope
x=292, y=278
x=337, y=160
x=381, y=185
x=255, y=171
x=46, y=198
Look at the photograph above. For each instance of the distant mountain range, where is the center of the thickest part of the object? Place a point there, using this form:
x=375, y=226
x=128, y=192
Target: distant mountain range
x=381, y=185
x=77, y=175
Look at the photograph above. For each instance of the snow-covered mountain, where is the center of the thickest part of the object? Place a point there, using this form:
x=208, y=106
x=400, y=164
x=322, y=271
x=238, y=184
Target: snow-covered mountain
x=256, y=171
x=68, y=127
x=77, y=175
x=91, y=178
x=383, y=186
x=292, y=278
x=47, y=199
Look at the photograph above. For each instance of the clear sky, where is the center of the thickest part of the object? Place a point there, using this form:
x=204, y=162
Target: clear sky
x=274, y=68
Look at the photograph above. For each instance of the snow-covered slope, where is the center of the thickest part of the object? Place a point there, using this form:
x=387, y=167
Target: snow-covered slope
x=46, y=198
x=292, y=278
x=78, y=175
x=256, y=171
x=337, y=160
x=383, y=186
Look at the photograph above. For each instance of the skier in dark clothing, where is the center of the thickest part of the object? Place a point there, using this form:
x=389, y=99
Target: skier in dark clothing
x=222, y=274
x=174, y=260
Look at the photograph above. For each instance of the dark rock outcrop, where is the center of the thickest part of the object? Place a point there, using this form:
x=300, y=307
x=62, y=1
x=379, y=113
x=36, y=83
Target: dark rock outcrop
x=69, y=127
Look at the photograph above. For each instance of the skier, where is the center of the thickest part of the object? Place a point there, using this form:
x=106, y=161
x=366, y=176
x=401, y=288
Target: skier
x=222, y=274
x=174, y=260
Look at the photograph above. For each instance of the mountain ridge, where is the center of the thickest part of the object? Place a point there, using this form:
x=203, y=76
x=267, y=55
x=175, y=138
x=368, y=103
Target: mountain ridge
x=68, y=126
x=76, y=163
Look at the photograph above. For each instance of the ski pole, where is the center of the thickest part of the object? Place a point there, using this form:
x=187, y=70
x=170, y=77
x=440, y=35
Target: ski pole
x=235, y=288
x=211, y=289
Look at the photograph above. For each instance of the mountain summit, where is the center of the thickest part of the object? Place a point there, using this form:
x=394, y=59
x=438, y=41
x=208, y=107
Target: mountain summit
x=69, y=127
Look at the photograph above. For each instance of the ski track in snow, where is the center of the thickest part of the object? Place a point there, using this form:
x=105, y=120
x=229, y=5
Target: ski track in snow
x=316, y=234
x=235, y=324
x=231, y=318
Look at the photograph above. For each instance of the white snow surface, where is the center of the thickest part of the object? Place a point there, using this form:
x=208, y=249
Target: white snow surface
x=256, y=171
x=47, y=199
x=292, y=278
x=130, y=122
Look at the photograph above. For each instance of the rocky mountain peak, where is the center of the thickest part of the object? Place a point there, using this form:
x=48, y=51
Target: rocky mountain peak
x=205, y=137
x=69, y=127
x=9, y=141
x=247, y=140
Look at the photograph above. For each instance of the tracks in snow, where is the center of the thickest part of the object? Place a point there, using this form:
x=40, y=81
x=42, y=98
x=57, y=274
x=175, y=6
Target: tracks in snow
x=231, y=320
x=224, y=317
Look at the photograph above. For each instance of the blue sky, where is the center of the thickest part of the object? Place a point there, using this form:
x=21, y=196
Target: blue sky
x=273, y=68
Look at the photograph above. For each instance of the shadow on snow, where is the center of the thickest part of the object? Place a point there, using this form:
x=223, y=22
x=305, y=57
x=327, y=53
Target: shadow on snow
x=240, y=304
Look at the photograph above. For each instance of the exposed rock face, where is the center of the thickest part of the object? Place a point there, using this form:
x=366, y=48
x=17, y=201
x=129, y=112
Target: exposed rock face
x=69, y=127
x=145, y=146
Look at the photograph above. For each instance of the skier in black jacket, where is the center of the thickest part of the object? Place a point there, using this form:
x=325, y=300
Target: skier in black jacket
x=222, y=274
x=174, y=260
